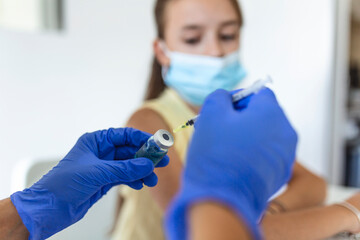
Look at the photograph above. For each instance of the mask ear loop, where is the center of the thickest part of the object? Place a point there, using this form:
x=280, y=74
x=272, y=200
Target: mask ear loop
x=164, y=69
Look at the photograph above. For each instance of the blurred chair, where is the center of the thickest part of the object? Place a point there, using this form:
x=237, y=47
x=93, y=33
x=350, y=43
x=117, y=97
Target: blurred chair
x=97, y=222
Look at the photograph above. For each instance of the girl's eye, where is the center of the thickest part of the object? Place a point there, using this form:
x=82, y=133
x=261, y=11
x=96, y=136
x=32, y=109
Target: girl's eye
x=192, y=41
x=228, y=37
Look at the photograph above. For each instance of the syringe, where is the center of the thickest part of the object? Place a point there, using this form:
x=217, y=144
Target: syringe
x=256, y=87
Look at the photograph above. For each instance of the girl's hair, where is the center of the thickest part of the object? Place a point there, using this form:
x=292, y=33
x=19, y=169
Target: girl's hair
x=156, y=84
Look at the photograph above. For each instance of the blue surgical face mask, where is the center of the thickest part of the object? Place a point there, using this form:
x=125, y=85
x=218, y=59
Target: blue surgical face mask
x=194, y=77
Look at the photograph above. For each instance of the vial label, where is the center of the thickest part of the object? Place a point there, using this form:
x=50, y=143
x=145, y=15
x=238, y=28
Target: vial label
x=151, y=151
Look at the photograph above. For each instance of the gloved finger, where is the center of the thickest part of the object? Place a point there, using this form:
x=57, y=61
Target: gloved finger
x=137, y=185
x=219, y=99
x=126, y=171
x=263, y=97
x=125, y=152
x=264, y=103
x=151, y=180
x=103, y=143
x=236, y=91
x=164, y=162
x=121, y=153
x=127, y=137
x=218, y=102
x=243, y=103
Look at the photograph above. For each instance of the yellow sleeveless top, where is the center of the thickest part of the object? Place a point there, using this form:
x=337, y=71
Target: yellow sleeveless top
x=140, y=217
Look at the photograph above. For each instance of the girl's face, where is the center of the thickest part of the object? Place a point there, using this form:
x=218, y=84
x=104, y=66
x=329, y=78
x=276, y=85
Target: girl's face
x=201, y=27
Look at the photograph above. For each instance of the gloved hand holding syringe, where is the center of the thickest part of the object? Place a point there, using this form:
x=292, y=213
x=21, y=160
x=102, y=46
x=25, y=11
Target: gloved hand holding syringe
x=256, y=87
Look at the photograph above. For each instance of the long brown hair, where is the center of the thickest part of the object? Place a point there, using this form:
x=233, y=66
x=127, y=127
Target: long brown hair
x=156, y=83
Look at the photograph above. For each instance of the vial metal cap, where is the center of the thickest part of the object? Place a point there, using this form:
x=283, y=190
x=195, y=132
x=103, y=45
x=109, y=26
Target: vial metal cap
x=163, y=139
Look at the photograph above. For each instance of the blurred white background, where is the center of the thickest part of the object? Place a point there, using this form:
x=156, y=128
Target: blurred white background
x=92, y=75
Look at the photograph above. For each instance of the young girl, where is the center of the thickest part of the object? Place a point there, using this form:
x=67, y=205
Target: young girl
x=197, y=52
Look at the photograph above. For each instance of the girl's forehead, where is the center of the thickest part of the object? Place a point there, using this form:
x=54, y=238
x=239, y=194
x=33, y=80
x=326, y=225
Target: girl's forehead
x=204, y=12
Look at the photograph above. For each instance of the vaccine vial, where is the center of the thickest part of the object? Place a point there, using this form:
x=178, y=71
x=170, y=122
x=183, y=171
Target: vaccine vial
x=156, y=146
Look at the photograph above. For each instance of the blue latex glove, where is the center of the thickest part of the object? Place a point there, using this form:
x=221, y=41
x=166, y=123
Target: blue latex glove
x=97, y=162
x=238, y=158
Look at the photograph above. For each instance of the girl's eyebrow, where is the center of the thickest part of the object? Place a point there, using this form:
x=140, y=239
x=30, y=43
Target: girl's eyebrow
x=192, y=27
x=199, y=27
x=229, y=23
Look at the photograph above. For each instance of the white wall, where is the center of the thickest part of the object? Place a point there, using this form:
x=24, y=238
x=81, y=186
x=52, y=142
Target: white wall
x=54, y=87
x=294, y=42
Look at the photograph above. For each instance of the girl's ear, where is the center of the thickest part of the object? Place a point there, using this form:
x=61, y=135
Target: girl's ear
x=159, y=50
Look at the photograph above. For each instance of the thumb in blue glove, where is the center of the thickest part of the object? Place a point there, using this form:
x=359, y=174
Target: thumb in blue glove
x=238, y=158
x=97, y=162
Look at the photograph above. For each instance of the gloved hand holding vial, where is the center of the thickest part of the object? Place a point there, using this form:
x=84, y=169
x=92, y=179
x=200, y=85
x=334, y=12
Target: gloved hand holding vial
x=97, y=162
